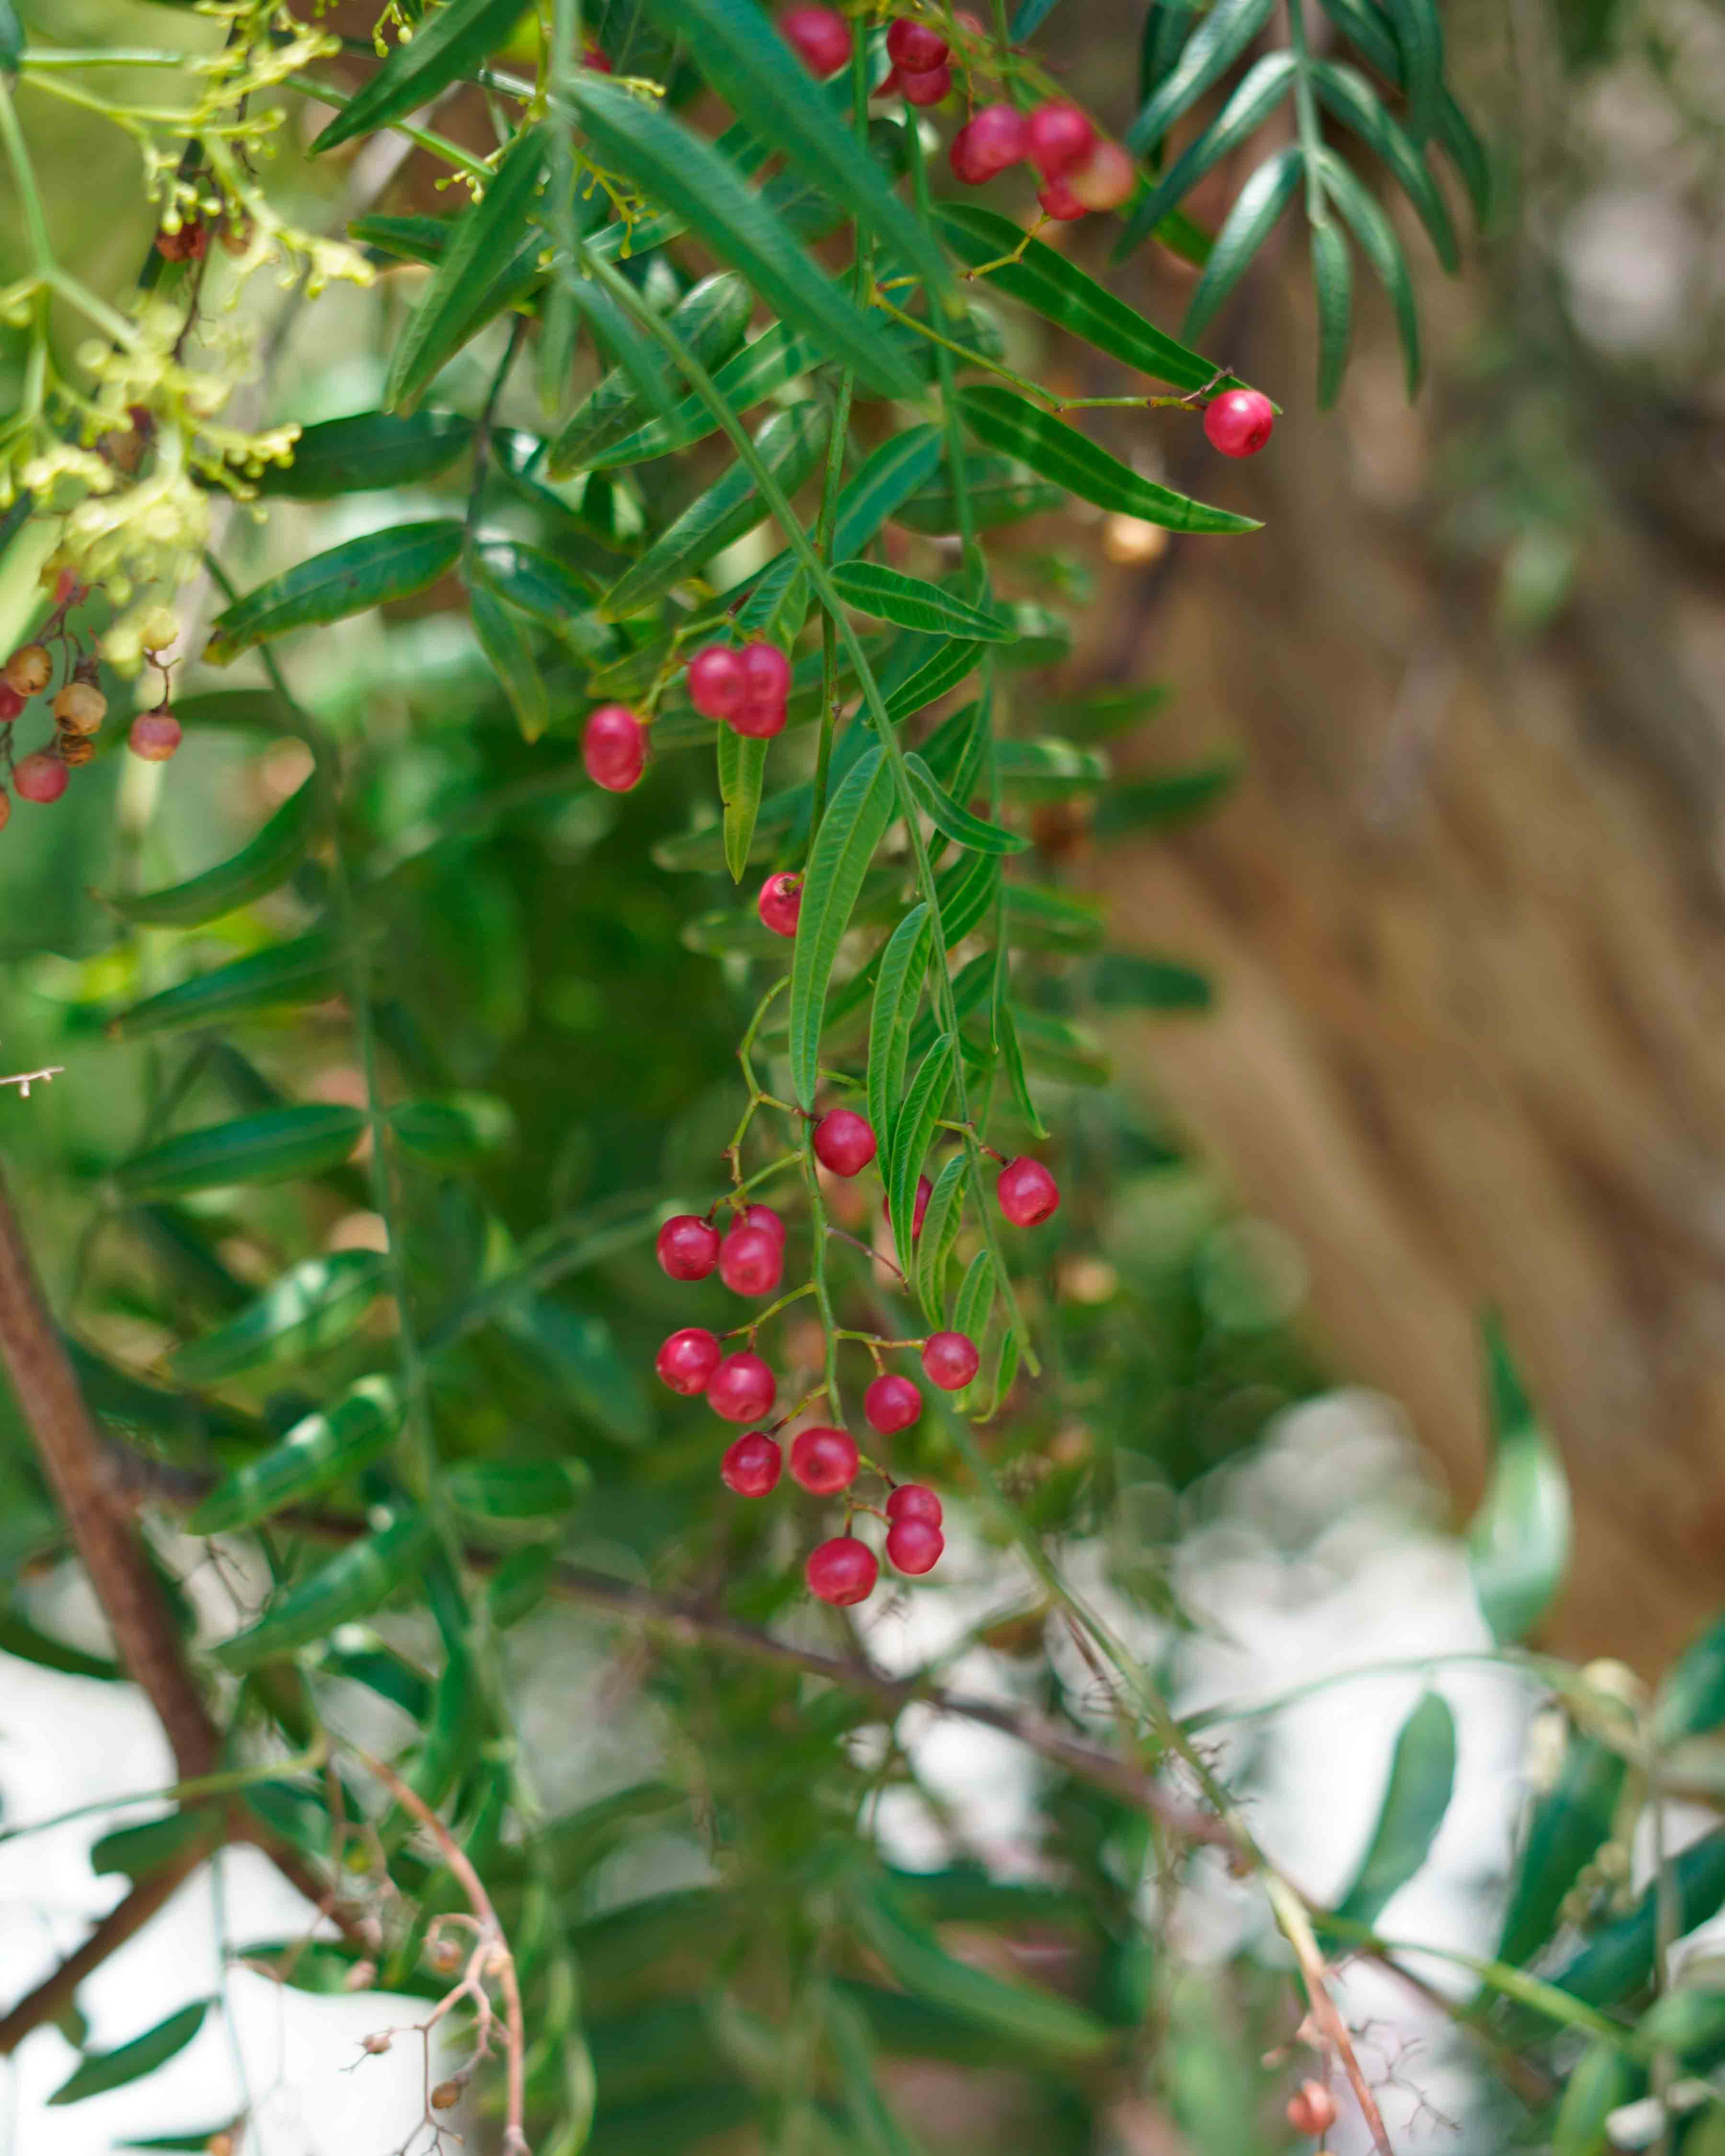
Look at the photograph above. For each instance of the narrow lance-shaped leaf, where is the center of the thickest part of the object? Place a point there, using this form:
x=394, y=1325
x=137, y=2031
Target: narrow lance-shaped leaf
x=956, y=821
x=999, y=492
x=361, y=573
x=102, y=2070
x=449, y=43
x=559, y=597
x=854, y=825
x=276, y=1146
x=315, y=1305
x=711, y=319
x=1220, y=38
x=742, y=771
x=776, y=359
x=1132, y=980
x=503, y=637
x=1011, y=1057
x=898, y=990
x=1171, y=797
x=1376, y=235
x=1422, y=1775
x=940, y=1231
x=617, y=335
x=321, y=1449
x=367, y=451
x=934, y=678
x=456, y=1131
x=913, y=1129
x=1568, y=1826
x=518, y=1491
x=975, y=1299
x=1600, y=2081
x=1259, y=203
x=263, y=862
x=303, y=972
x=349, y=1585
x=1259, y=90
x=1419, y=34
x=1333, y=282
x=909, y=602
x=1361, y=22
x=1352, y=99
x=1518, y=1541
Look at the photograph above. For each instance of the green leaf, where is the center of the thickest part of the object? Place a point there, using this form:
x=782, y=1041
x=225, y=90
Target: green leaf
x=456, y=1131
x=276, y=1146
x=303, y=972
x=1259, y=203
x=697, y=183
x=790, y=444
x=934, y=678
x=976, y=1301
x=956, y=821
x=1049, y=770
x=1029, y=18
x=504, y=640
x=1151, y=804
x=447, y=44
x=871, y=587
x=577, y=1349
x=1518, y=1541
x=966, y=890
x=1422, y=1776
x=555, y=595
x=616, y=334
x=999, y=492
x=1001, y=419
x=239, y=711
x=12, y=40
x=742, y=771
x=1256, y=95
x=1127, y=980
x=778, y=357
x=1352, y=99
x=898, y=990
x=1366, y=26
x=912, y=1133
x=1690, y=1699
x=1618, y=1961
x=349, y=1585
x=1333, y=282
x=1060, y=1050
x=1600, y=2080
x=260, y=865
x=712, y=318
x=1419, y=34
x=1567, y=1826
x=312, y=1307
x=518, y=1490
x=19, y=1637
x=364, y=451
x=134, y=1852
x=370, y=572
x=101, y=2071
x=519, y=1584
x=855, y=823
x=1218, y=42
x=1040, y=919
x=1012, y=1055
x=1376, y=235
x=940, y=1231
x=322, y=1449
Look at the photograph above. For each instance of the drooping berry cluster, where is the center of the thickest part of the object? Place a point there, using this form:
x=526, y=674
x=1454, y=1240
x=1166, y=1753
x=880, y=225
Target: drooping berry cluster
x=748, y=690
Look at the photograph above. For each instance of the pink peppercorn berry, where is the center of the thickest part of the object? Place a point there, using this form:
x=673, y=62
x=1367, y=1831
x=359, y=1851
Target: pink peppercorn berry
x=1238, y=422
x=915, y=47
x=950, y=1360
x=1027, y=1192
x=599, y=62
x=823, y=1461
x=40, y=777
x=925, y=88
x=751, y=1464
x=1058, y=137
x=766, y=1220
x=751, y=1262
x=717, y=684
x=912, y=1501
x=1057, y=200
x=12, y=702
x=688, y=1247
x=767, y=688
x=842, y=1571
x=1311, y=2109
x=891, y=1403
x=1104, y=180
x=613, y=747
x=914, y=1546
x=154, y=735
x=820, y=37
x=742, y=1389
x=843, y=1141
x=995, y=140
x=687, y=1360
x=780, y=902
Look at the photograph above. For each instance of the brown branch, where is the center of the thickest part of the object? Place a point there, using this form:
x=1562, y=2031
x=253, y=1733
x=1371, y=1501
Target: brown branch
x=1296, y=1922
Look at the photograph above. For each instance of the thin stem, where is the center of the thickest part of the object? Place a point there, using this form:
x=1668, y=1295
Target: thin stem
x=23, y=174
x=943, y=350
x=440, y=146
x=1306, y=118
x=56, y=56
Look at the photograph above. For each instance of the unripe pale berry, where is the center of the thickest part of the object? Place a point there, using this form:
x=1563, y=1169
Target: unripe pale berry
x=751, y=1262
x=687, y=1360
x=154, y=735
x=820, y=37
x=40, y=777
x=891, y=1403
x=759, y=719
x=780, y=902
x=950, y=1360
x=1027, y=1192
x=927, y=87
x=914, y=47
x=999, y=137
x=843, y=1141
x=80, y=706
x=1104, y=180
x=11, y=703
x=1238, y=421
x=28, y=670
x=751, y=1464
x=766, y=1220
x=688, y=1247
x=717, y=683
x=1311, y=2109
x=823, y=1461
x=913, y=1546
x=613, y=747
x=842, y=1571
x=742, y=1388
x=912, y=1501
x=1057, y=200
x=1058, y=135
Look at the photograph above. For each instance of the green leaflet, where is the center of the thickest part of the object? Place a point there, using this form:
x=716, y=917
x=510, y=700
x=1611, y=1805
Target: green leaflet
x=976, y=1300
x=576, y=1350
x=1361, y=21
x=519, y=1584
x=1000, y=491
x=1566, y=1827
x=1376, y=235
x=871, y=587
x=239, y=711
x=367, y=451
x=1518, y=1541
x=349, y=1585
x=1150, y=804
x=1691, y=1700
x=276, y=1146
x=361, y=573
x=263, y=862
x=966, y=890
x=556, y=596
x=1217, y=42
x=1618, y=1961
x=1601, y=2080
x=698, y=183
x=790, y=444
x=1044, y=638
x=449, y=43
x=1002, y=419
x=742, y=771
x=1259, y=90
x=1422, y=1775
x=1129, y=980
x=1041, y=919
x=913, y=1131
x=940, y=1230
x=1333, y=283
x=712, y=320
x=776, y=358
x=934, y=678
x=1058, y=1050
x=1419, y=35
x=453, y=1132
x=101, y=2071
x=1049, y=770
x=504, y=640
x=134, y=1852
x=1012, y=1055
x=453, y=1731
x=855, y=822
x=616, y=333
x=898, y=990
x=1352, y=99
x=1259, y=203
x=517, y=1491
x=957, y=822
x=321, y=1449
x=303, y=972
x=18, y=1636
x=314, y=1306
x=381, y=1670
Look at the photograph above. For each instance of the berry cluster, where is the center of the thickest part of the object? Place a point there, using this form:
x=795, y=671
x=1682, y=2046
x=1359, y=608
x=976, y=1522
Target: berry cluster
x=748, y=690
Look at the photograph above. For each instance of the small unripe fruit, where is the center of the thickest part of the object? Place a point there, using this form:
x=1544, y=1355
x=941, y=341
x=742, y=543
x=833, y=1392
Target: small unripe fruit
x=843, y=1141
x=820, y=37
x=189, y=244
x=687, y=1360
x=766, y=1220
x=999, y=138
x=751, y=1464
x=1311, y=2109
x=11, y=703
x=927, y=88
x=613, y=747
x=1027, y=1192
x=950, y=1360
x=1238, y=422
x=742, y=1388
x=717, y=684
x=842, y=1571
x=914, y=47
x=28, y=670
x=760, y=719
x=751, y=1262
x=823, y=1461
x=780, y=902
x=40, y=777
x=891, y=1403
x=1057, y=200
x=154, y=735
x=913, y=1546
x=80, y=707
x=1058, y=137
x=688, y=1247
x=446, y=2096
x=1104, y=180
x=912, y=1501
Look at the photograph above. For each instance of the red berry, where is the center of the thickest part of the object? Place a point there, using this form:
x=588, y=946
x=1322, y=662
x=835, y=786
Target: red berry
x=1058, y=135
x=766, y=672
x=751, y=1464
x=598, y=61
x=780, y=902
x=823, y=1461
x=891, y=1403
x=759, y=719
x=11, y=703
x=687, y=1360
x=927, y=88
x=1311, y=2109
x=963, y=157
x=742, y=1389
x=154, y=735
x=717, y=684
x=889, y=84
x=999, y=137
x=911, y=1501
x=1027, y=1192
x=843, y=1141
x=40, y=777
x=613, y=747
x=688, y=1247
x=950, y=1360
x=766, y=1220
x=1057, y=201
x=819, y=36
x=751, y=1262
x=1238, y=421
x=1105, y=179
x=925, y=1191
x=914, y=47
x=844, y=1570
x=914, y=1546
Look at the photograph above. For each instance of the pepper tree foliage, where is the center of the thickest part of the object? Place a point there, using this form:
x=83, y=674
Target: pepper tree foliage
x=389, y=1442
